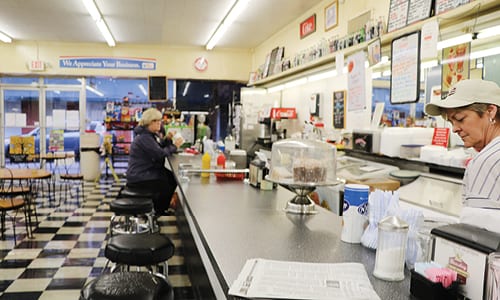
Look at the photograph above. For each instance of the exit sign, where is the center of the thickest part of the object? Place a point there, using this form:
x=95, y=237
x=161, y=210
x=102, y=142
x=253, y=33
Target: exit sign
x=37, y=65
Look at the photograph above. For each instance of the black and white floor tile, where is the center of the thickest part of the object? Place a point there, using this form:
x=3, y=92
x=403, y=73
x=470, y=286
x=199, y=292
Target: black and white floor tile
x=67, y=248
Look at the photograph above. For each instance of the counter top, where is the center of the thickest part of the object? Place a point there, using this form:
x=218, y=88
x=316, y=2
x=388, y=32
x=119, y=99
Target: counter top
x=235, y=222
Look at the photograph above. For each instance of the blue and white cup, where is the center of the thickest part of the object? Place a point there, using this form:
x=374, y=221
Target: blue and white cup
x=355, y=215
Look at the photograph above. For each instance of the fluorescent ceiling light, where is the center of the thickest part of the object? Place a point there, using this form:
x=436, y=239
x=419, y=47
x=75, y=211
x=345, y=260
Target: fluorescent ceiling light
x=95, y=91
x=101, y=24
x=376, y=75
x=484, y=53
x=489, y=32
x=229, y=18
x=386, y=73
x=5, y=38
x=324, y=75
x=92, y=9
x=461, y=39
x=143, y=90
x=186, y=88
x=253, y=91
x=296, y=82
x=276, y=88
x=106, y=33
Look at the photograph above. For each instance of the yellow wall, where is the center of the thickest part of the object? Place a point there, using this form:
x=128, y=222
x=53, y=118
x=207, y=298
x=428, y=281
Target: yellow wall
x=289, y=35
x=177, y=62
x=173, y=62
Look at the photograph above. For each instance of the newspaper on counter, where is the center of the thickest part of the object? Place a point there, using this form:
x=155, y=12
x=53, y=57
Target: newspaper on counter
x=262, y=278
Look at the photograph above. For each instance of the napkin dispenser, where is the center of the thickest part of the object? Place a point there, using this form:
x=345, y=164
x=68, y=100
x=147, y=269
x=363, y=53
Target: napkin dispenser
x=465, y=248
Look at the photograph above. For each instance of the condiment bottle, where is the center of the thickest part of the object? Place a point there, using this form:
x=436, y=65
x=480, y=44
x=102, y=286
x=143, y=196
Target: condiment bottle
x=391, y=249
x=205, y=164
x=221, y=161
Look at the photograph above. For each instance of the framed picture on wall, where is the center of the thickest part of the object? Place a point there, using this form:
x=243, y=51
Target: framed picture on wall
x=339, y=109
x=331, y=15
x=308, y=26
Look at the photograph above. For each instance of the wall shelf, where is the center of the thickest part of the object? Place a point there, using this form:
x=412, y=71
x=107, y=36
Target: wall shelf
x=453, y=20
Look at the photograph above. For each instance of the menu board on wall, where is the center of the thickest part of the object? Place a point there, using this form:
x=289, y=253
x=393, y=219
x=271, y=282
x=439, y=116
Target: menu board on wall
x=406, y=12
x=419, y=10
x=339, y=109
x=398, y=14
x=445, y=5
x=405, y=68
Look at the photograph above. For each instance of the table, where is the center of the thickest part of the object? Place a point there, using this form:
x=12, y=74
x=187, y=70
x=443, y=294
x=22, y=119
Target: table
x=231, y=221
x=26, y=174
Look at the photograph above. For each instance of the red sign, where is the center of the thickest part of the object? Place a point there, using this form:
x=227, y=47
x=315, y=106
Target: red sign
x=283, y=113
x=441, y=137
x=308, y=26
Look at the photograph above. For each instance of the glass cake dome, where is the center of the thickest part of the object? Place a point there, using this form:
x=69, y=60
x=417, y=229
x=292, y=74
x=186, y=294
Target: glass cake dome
x=303, y=162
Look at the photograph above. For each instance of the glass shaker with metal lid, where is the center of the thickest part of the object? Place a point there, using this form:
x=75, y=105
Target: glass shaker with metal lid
x=391, y=249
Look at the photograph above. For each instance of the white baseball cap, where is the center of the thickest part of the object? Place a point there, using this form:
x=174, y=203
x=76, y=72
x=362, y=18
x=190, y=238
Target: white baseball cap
x=466, y=92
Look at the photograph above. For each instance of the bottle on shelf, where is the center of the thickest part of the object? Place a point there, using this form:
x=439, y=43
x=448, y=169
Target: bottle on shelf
x=221, y=160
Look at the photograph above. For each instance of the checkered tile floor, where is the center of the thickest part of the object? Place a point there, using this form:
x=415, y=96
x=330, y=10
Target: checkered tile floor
x=67, y=249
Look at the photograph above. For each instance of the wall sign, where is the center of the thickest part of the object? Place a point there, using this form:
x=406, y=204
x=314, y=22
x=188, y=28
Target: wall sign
x=308, y=26
x=122, y=63
x=445, y=5
x=339, y=109
x=454, y=66
x=405, y=68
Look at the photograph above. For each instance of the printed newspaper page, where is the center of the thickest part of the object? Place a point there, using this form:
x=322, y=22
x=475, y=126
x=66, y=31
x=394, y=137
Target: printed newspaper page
x=261, y=278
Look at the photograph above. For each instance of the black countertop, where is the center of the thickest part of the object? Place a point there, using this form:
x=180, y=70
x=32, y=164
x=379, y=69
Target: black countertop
x=234, y=221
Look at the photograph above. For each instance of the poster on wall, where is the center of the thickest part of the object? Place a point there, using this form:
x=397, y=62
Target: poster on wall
x=339, y=109
x=446, y=5
x=356, y=82
x=374, y=52
x=56, y=140
x=405, y=68
x=454, y=66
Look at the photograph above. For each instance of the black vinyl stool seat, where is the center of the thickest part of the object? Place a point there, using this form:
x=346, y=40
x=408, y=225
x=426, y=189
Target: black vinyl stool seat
x=129, y=192
x=142, y=250
x=132, y=216
x=128, y=286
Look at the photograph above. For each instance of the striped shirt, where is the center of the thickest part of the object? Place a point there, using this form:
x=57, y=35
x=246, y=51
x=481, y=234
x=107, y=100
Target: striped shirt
x=482, y=178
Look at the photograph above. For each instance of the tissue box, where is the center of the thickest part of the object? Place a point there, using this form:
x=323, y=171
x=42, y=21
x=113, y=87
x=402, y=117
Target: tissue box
x=423, y=288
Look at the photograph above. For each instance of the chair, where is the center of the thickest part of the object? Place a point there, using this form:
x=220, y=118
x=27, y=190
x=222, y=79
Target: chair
x=72, y=178
x=141, y=250
x=128, y=286
x=12, y=199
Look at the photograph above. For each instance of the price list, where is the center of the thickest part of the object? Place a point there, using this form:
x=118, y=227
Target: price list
x=405, y=68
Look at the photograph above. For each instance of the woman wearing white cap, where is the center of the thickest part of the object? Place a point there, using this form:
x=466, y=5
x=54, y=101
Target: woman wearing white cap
x=473, y=108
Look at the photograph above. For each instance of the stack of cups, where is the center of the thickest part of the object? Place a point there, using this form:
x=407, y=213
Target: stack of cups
x=355, y=215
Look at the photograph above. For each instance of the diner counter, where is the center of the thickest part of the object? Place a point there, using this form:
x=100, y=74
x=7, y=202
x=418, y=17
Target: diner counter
x=231, y=221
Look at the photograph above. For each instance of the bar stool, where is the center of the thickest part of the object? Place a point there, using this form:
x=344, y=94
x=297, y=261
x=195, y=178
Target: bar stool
x=129, y=192
x=132, y=216
x=128, y=286
x=140, y=250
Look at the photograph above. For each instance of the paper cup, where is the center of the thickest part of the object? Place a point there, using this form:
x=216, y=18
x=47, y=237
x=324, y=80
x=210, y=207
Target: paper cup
x=355, y=212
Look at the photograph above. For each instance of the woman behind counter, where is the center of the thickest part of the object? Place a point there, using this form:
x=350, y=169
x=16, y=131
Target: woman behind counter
x=146, y=164
x=473, y=108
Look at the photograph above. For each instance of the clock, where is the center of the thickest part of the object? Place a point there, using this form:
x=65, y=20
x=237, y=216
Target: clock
x=201, y=63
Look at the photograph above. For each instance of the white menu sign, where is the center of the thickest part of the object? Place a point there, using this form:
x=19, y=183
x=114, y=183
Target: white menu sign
x=405, y=69
x=356, y=92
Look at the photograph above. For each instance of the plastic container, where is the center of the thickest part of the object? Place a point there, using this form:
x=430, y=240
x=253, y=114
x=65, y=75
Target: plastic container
x=221, y=161
x=423, y=288
x=205, y=164
x=298, y=161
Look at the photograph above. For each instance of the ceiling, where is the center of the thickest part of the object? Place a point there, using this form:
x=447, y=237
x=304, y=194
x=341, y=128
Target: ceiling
x=165, y=22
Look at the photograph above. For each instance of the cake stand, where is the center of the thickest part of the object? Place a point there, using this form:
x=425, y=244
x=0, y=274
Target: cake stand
x=301, y=203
